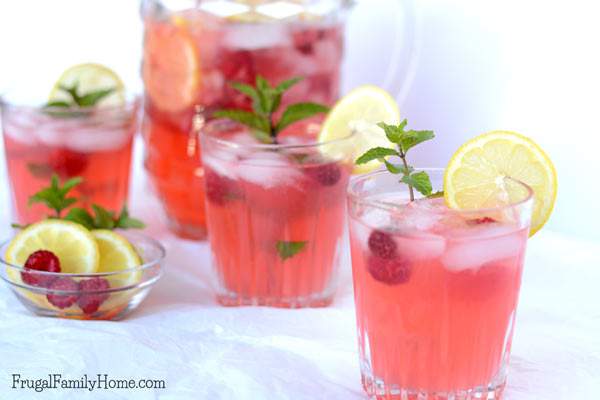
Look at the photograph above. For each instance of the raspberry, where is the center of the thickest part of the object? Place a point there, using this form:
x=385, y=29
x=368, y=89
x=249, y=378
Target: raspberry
x=326, y=174
x=389, y=271
x=67, y=163
x=382, y=245
x=219, y=189
x=305, y=40
x=480, y=221
x=41, y=260
x=89, y=303
x=62, y=300
x=236, y=66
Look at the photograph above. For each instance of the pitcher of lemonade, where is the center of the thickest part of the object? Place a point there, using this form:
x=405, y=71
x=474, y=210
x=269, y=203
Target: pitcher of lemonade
x=194, y=49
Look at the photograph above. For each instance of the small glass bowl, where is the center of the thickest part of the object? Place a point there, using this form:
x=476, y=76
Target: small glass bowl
x=97, y=296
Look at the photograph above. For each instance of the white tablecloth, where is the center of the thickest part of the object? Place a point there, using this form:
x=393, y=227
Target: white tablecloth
x=203, y=351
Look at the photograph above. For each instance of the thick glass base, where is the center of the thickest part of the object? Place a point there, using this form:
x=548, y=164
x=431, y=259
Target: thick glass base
x=377, y=389
x=233, y=300
x=187, y=231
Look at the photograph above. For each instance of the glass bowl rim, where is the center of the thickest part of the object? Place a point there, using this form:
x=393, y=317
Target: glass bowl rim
x=156, y=261
x=356, y=198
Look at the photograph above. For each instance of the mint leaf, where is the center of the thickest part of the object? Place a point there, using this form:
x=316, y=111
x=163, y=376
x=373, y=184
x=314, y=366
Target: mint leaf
x=289, y=249
x=246, y=118
x=265, y=103
x=57, y=103
x=55, y=196
x=412, y=138
x=299, y=111
x=40, y=170
x=80, y=216
x=126, y=222
x=103, y=218
x=18, y=226
x=393, y=133
x=419, y=181
x=90, y=99
x=436, y=195
x=397, y=169
x=287, y=84
x=376, y=153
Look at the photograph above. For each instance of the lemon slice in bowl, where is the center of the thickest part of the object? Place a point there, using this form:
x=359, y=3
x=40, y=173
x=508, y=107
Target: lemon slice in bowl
x=359, y=112
x=476, y=172
x=73, y=244
x=90, y=78
x=116, y=254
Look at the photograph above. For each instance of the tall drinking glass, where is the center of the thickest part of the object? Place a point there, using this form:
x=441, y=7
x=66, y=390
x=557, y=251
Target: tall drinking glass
x=436, y=289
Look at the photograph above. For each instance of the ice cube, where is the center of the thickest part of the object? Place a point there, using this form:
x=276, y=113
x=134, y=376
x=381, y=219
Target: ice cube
x=472, y=252
x=422, y=247
x=253, y=37
x=222, y=162
x=268, y=169
x=89, y=140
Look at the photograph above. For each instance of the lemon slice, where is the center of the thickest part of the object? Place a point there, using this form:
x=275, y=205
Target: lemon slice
x=359, y=112
x=74, y=246
x=475, y=175
x=89, y=78
x=171, y=68
x=116, y=254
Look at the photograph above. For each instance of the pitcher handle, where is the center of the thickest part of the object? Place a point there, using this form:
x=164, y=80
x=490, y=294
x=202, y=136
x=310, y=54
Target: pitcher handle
x=402, y=66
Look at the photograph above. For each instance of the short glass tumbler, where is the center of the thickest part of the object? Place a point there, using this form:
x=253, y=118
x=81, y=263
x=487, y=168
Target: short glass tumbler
x=94, y=144
x=435, y=289
x=276, y=215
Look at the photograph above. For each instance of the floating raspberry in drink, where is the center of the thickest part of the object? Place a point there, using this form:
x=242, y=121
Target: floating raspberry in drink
x=41, y=260
x=219, y=189
x=67, y=163
x=389, y=271
x=382, y=245
x=91, y=302
x=326, y=174
x=62, y=300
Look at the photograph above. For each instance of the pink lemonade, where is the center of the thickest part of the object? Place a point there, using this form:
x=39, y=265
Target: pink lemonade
x=190, y=58
x=93, y=144
x=436, y=294
x=276, y=215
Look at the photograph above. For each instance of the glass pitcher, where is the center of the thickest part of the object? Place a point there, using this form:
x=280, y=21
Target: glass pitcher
x=194, y=49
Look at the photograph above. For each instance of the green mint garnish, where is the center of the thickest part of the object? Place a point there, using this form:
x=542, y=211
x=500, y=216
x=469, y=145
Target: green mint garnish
x=56, y=198
x=404, y=141
x=76, y=99
x=265, y=103
x=289, y=249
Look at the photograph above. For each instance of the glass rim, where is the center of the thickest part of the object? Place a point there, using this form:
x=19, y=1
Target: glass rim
x=206, y=135
x=155, y=244
x=357, y=198
x=131, y=99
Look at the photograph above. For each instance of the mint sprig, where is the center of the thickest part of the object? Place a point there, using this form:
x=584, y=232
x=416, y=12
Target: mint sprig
x=75, y=99
x=404, y=141
x=266, y=100
x=56, y=197
x=289, y=249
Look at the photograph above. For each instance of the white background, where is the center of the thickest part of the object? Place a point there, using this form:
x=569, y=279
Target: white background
x=529, y=66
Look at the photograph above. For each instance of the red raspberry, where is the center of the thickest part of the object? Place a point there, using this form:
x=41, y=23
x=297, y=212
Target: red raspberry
x=382, y=245
x=62, y=300
x=237, y=66
x=67, y=163
x=41, y=260
x=304, y=40
x=219, y=189
x=326, y=174
x=389, y=271
x=480, y=221
x=90, y=302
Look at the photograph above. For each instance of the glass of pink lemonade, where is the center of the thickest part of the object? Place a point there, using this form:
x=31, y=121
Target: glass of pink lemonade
x=276, y=214
x=93, y=143
x=436, y=289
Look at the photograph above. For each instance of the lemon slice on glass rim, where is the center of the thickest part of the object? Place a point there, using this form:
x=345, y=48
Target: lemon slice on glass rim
x=476, y=172
x=359, y=112
x=89, y=78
